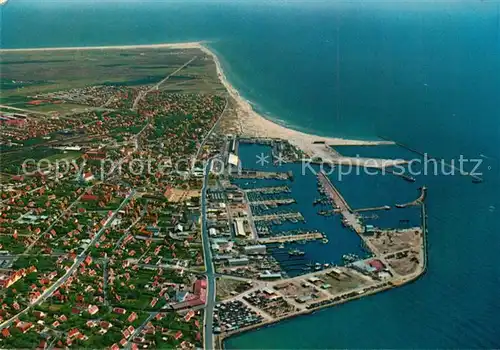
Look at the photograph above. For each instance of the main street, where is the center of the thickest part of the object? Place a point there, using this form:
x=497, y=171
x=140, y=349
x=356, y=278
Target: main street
x=208, y=337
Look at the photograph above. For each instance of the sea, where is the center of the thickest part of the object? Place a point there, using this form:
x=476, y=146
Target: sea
x=423, y=73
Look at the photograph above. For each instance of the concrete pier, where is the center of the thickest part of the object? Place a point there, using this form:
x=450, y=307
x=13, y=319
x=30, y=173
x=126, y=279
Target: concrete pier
x=420, y=200
x=308, y=236
x=350, y=217
x=385, y=207
x=279, y=216
x=475, y=178
x=268, y=190
x=273, y=201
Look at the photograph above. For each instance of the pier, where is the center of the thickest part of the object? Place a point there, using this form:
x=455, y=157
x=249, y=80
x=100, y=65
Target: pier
x=420, y=200
x=271, y=202
x=385, y=207
x=279, y=216
x=308, y=236
x=475, y=179
x=269, y=190
x=350, y=217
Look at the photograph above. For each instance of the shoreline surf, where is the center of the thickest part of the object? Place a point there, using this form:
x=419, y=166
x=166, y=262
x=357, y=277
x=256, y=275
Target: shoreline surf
x=255, y=123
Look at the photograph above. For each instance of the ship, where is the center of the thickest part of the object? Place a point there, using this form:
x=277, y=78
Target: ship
x=349, y=258
x=408, y=178
x=296, y=252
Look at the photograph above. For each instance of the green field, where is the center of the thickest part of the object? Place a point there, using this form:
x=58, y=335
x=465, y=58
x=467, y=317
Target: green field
x=27, y=73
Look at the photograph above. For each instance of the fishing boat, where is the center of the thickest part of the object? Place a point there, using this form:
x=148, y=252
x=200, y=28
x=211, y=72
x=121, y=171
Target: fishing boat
x=281, y=246
x=349, y=258
x=296, y=252
x=408, y=178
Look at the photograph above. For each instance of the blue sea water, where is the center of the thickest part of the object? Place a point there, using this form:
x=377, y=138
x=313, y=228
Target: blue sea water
x=426, y=74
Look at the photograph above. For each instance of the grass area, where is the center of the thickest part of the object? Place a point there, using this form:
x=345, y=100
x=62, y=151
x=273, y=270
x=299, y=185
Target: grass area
x=22, y=76
x=62, y=108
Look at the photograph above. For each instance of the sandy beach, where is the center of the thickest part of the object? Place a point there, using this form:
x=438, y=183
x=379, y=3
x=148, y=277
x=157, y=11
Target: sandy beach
x=251, y=123
x=187, y=45
x=257, y=125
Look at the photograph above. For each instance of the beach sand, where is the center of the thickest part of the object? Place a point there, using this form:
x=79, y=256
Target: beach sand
x=256, y=125
x=188, y=45
x=251, y=123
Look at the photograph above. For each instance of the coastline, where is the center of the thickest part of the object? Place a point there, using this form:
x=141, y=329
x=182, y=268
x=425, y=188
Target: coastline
x=185, y=45
x=256, y=125
x=262, y=127
x=251, y=122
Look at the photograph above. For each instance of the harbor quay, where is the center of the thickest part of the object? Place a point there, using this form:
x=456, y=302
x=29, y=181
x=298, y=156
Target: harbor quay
x=263, y=240
x=236, y=239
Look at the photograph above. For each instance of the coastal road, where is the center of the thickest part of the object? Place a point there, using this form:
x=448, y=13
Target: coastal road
x=208, y=338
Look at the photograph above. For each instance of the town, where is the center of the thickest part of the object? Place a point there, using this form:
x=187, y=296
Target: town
x=130, y=219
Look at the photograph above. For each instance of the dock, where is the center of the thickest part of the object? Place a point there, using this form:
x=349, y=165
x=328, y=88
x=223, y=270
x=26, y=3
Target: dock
x=385, y=207
x=350, y=216
x=269, y=190
x=279, y=216
x=419, y=201
x=278, y=201
x=308, y=236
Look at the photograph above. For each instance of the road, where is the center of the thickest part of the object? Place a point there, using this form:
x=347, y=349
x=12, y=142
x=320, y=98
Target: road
x=141, y=94
x=64, y=212
x=138, y=330
x=208, y=337
x=81, y=257
x=210, y=132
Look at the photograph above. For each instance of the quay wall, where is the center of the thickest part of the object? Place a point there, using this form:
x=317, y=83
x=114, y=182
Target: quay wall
x=225, y=336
